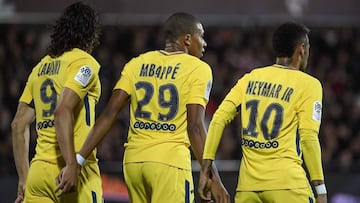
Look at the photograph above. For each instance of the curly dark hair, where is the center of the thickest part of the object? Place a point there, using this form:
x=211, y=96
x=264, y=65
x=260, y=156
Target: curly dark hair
x=287, y=36
x=77, y=27
x=178, y=24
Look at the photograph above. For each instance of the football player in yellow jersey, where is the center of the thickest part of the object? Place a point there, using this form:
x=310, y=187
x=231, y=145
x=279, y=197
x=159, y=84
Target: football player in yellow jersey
x=280, y=108
x=60, y=94
x=168, y=91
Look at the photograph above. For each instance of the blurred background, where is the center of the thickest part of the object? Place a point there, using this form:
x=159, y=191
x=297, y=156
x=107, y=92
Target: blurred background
x=238, y=34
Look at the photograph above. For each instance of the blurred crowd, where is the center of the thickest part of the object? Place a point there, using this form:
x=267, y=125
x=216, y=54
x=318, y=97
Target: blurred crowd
x=231, y=52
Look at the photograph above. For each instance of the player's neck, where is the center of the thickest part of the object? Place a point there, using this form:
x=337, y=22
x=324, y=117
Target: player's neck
x=174, y=47
x=287, y=63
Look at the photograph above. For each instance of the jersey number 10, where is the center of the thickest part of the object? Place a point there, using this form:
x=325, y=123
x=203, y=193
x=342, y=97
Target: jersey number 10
x=253, y=115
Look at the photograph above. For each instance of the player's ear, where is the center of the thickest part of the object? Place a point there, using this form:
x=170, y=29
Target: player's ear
x=302, y=49
x=187, y=39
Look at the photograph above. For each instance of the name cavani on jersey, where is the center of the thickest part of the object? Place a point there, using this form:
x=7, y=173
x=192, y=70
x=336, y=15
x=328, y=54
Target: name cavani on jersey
x=51, y=68
x=158, y=71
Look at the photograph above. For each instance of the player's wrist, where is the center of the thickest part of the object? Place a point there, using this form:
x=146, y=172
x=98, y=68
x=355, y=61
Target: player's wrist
x=80, y=160
x=320, y=189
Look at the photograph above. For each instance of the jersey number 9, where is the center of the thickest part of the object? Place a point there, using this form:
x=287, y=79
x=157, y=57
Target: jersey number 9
x=48, y=96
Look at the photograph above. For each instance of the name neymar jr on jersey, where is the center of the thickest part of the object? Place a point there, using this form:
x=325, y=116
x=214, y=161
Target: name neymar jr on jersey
x=268, y=89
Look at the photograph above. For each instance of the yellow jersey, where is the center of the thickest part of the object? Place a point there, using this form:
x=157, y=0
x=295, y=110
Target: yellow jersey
x=160, y=85
x=274, y=103
x=76, y=70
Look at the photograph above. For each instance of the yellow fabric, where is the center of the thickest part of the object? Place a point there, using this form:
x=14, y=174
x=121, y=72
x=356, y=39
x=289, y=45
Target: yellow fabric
x=76, y=70
x=275, y=103
x=41, y=184
x=223, y=116
x=298, y=195
x=160, y=85
x=149, y=182
x=312, y=154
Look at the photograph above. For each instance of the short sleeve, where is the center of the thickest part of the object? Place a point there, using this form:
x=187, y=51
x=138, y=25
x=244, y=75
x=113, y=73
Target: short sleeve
x=310, y=107
x=124, y=82
x=201, y=85
x=26, y=95
x=82, y=75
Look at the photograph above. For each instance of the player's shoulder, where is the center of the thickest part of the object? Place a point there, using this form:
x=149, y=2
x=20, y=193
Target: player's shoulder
x=299, y=74
x=255, y=71
x=199, y=67
x=43, y=60
x=78, y=54
x=145, y=56
x=259, y=70
x=196, y=61
x=181, y=57
x=309, y=79
x=196, y=65
x=140, y=58
x=150, y=53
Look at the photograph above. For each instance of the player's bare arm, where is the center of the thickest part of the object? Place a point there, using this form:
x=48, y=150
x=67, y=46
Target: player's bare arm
x=105, y=121
x=204, y=188
x=197, y=135
x=319, y=186
x=20, y=130
x=102, y=126
x=64, y=126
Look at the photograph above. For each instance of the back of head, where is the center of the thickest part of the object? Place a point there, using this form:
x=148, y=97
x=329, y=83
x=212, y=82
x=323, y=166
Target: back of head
x=77, y=27
x=179, y=24
x=287, y=37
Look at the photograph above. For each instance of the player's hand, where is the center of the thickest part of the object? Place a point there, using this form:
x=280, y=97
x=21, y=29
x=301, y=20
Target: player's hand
x=219, y=192
x=67, y=180
x=20, y=192
x=321, y=199
x=204, y=188
x=19, y=199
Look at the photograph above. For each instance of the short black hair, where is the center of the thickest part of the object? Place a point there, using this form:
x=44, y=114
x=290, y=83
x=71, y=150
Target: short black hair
x=179, y=24
x=77, y=27
x=286, y=37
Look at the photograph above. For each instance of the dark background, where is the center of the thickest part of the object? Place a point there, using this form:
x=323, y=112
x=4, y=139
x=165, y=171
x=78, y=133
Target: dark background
x=238, y=34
